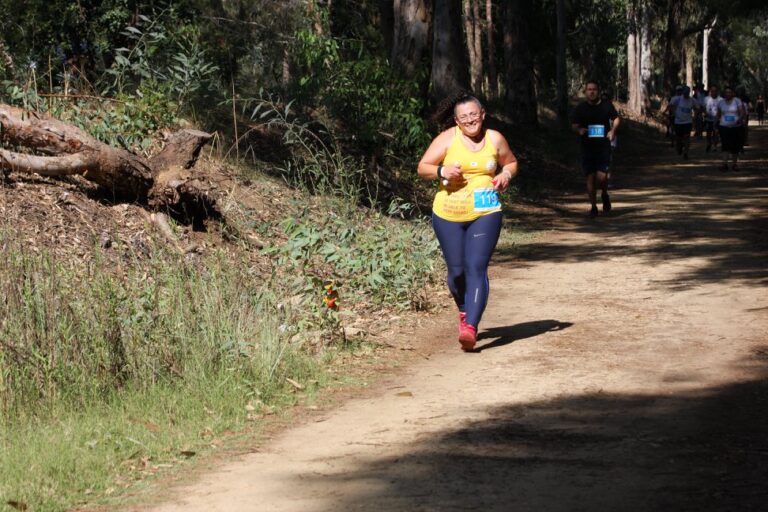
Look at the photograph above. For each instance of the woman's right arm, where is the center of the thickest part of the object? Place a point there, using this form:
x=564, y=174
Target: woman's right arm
x=432, y=157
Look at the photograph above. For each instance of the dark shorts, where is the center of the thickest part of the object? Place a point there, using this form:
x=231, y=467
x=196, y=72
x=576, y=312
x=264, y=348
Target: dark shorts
x=595, y=160
x=681, y=130
x=732, y=139
x=709, y=126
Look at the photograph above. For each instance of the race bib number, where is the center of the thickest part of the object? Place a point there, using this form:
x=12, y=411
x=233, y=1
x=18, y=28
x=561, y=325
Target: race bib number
x=729, y=118
x=486, y=199
x=685, y=110
x=596, y=131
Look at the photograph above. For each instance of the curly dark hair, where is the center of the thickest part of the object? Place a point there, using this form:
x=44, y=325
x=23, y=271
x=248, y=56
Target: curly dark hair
x=444, y=116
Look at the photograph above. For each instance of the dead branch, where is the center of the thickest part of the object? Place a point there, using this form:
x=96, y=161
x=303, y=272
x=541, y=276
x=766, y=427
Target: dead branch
x=68, y=150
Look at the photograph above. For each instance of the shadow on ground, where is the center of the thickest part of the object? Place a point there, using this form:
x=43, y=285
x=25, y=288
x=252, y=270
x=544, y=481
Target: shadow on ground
x=511, y=333
x=692, y=451
x=669, y=210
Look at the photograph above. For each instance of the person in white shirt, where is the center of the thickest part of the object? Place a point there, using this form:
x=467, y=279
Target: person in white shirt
x=731, y=119
x=670, y=115
x=683, y=108
x=710, y=117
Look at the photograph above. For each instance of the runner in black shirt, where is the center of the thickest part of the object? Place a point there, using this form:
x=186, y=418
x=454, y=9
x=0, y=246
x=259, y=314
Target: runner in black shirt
x=596, y=121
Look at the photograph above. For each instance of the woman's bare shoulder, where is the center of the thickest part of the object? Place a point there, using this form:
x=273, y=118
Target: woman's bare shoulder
x=447, y=133
x=496, y=137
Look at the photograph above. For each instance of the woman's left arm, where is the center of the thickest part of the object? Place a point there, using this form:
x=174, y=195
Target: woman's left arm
x=507, y=161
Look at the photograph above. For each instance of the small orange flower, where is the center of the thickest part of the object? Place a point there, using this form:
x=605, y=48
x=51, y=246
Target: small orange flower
x=331, y=296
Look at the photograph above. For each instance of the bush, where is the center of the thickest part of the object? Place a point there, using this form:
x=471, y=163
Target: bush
x=362, y=91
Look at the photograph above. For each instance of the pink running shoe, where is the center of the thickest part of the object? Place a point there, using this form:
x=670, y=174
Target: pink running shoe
x=467, y=337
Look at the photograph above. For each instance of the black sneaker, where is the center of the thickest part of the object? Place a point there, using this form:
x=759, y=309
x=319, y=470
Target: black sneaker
x=593, y=212
x=606, y=203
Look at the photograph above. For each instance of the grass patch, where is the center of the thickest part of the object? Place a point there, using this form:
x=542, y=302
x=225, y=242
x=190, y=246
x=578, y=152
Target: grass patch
x=513, y=236
x=116, y=370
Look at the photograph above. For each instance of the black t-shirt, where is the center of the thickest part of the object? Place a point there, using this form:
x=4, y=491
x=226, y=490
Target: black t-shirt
x=597, y=120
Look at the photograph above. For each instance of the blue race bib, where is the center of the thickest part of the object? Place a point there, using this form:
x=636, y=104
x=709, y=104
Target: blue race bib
x=596, y=131
x=486, y=199
x=728, y=118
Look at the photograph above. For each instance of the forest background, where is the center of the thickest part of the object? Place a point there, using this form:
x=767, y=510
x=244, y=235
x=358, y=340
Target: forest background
x=118, y=364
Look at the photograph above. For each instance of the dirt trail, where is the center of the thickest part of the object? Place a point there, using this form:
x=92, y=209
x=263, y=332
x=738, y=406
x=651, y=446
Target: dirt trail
x=622, y=365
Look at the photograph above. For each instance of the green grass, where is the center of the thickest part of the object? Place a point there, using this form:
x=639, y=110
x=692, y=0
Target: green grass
x=513, y=236
x=111, y=371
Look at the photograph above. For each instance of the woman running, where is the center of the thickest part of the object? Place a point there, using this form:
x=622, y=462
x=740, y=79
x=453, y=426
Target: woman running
x=466, y=212
x=731, y=119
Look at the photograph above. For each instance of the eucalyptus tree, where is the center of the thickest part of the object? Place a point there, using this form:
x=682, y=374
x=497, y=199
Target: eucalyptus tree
x=520, y=97
x=450, y=72
x=411, y=32
x=639, y=54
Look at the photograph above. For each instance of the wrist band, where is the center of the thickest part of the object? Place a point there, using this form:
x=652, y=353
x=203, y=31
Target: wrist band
x=439, y=172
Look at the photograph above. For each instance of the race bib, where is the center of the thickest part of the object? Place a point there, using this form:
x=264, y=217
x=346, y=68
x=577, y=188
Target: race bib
x=486, y=199
x=596, y=131
x=685, y=110
x=729, y=118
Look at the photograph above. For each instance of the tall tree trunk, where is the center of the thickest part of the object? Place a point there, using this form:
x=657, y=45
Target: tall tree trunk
x=473, y=34
x=387, y=23
x=315, y=14
x=5, y=57
x=449, y=60
x=562, y=84
x=477, y=48
x=410, y=37
x=705, y=54
x=672, y=45
x=520, y=97
x=646, y=57
x=633, y=59
x=469, y=35
x=633, y=73
x=690, y=60
x=285, y=71
x=493, y=79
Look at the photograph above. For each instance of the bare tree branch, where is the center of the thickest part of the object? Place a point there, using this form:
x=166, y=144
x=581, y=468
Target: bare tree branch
x=78, y=163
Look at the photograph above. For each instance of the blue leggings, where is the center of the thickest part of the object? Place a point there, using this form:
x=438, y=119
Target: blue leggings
x=467, y=249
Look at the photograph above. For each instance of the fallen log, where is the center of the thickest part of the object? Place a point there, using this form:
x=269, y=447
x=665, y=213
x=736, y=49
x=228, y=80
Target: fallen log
x=55, y=148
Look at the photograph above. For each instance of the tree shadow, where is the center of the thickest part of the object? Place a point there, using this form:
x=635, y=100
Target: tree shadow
x=511, y=333
x=694, y=450
x=667, y=210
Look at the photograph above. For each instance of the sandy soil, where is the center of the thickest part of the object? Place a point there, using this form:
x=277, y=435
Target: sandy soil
x=622, y=365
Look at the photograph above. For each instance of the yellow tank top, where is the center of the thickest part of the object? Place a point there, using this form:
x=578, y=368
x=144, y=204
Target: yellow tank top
x=476, y=197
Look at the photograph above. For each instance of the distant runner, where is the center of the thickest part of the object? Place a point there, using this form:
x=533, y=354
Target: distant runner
x=710, y=117
x=466, y=212
x=760, y=109
x=731, y=118
x=683, y=108
x=669, y=115
x=596, y=121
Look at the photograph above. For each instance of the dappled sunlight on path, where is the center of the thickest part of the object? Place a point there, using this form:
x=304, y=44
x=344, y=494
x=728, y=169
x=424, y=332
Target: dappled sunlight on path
x=622, y=364
x=712, y=225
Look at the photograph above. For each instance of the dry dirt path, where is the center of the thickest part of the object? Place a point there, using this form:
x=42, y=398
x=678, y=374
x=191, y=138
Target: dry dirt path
x=622, y=365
